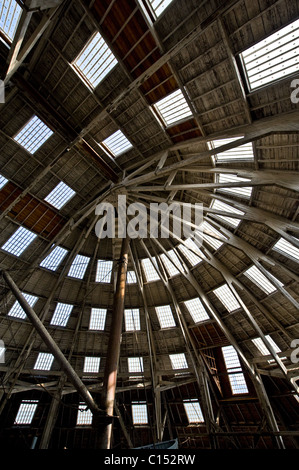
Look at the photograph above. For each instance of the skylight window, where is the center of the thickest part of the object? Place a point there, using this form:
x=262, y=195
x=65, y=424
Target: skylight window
x=131, y=277
x=165, y=316
x=258, y=342
x=61, y=314
x=219, y=205
x=149, y=270
x=178, y=361
x=197, y=310
x=10, y=13
x=258, y=278
x=135, y=364
x=33, y=135
x=53, y=260
x=171, y=268
x=190, y=255
x=193, y=411
x=242, y=152
x=227, y=298
x=3, y=181
x=78, y=267
x=17, y=311
x=104, y=271
x=19, y=241
x=173, y=108
x=95, y=61
x=60, y=195
x=91, y=364
x=26, y=412
x=159, y=6
x=132, y=319
x=234, y=369
x=116, y=144
x=44, y=361
x=273, y=58
x=287, y=249
x=244, y=192
x=84, y=415
x=139, y=413
x=211, y=235
x=97, y=319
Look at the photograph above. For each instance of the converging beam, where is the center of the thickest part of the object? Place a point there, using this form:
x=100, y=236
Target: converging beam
x=57, y=353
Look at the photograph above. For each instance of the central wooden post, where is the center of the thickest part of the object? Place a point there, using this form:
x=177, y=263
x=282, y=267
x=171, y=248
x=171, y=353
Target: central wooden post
x=110, y=374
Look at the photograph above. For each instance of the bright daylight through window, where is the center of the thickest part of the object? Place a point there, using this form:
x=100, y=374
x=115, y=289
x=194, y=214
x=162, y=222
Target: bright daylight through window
x=95, y=61
x=10, y=12
x=273, y=58
x=33, y=135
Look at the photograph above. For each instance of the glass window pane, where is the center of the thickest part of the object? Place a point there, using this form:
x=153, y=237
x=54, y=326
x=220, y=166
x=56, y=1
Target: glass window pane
x=117, y=143
x=19, y=241
x=33, y=135
x=173, y=108
x=60, y=195
x=95, y=61
x=10, y=13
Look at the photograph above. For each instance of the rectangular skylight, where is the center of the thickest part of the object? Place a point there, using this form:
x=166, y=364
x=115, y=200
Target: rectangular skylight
x=84, y=415
x=258, y=278
x=173, y=108
x=273, y=58
x=91, y=364
x=19, y=241
x=227, y=298
x=139, y=413
x=60, y=195
x=175, y=259
x=44, y=361
x=165, y=316
x=190, y=255
x=97, y=319
x=116, y=143
x=79, y=266
x=53, y=260
x=159, y=6
x=171, y=268
x=33, y=135
x=26, y=412
x=3, y=181
x=233, y=366
x=197, y=310
x=258, y=342
x=287, y=249
x=104, y=271
x=131, y=277
x=210, y=235
x=149, y=270
x=178, y=361
x=193, y=411
x=242, y=152
x=95, y=61
x=61, y=314
x=10, y=13
x=135, y=364
x=244, y=192
x=17, y=311
x=132, y=319
x=222, y=206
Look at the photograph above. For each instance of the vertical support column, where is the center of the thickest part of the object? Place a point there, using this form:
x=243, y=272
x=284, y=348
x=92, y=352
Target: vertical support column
x=110, y=374
x=52, y=415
